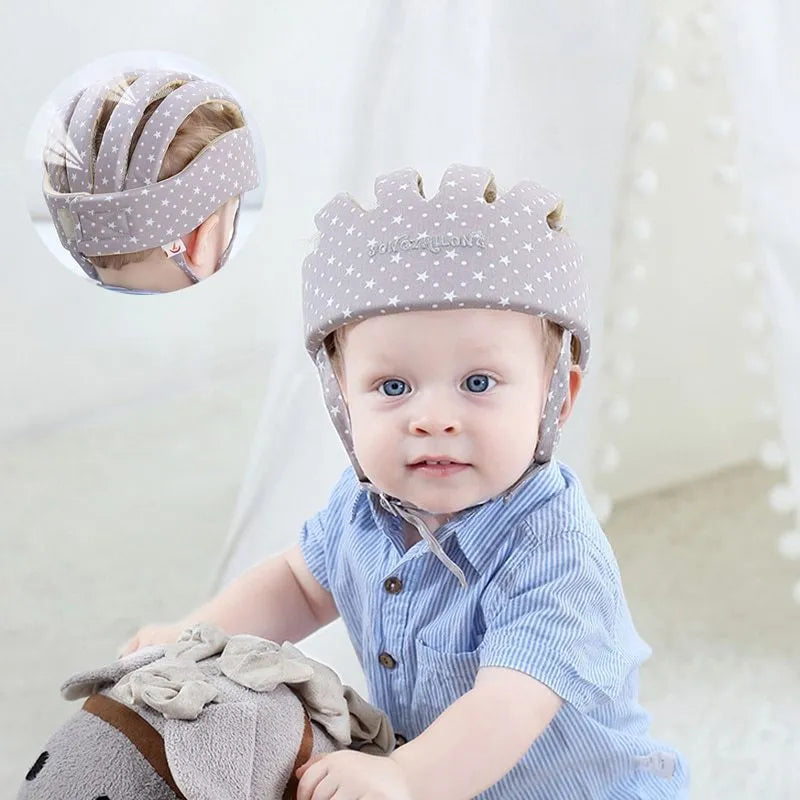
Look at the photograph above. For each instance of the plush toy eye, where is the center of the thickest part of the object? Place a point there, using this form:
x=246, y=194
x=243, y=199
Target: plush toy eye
x=102, y=797
x=37, y=766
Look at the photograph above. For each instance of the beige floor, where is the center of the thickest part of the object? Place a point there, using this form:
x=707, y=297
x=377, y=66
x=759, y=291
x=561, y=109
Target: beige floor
x=83, y=511
x=713, y=598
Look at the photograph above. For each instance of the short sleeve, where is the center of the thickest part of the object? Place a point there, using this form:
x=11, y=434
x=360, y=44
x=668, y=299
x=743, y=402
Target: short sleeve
x=551, y=611
x=320, y=534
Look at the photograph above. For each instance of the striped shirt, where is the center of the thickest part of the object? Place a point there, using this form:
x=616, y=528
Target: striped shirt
x=544, y=596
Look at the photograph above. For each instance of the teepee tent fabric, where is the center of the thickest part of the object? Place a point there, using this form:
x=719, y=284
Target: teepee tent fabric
x=760, y=46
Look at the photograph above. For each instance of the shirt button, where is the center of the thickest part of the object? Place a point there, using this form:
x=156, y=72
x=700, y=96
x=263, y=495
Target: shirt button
x=393, y=585
x=387, y=660
x=399, y=739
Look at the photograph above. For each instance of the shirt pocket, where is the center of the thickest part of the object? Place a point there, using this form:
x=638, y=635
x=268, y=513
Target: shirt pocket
x=442, y=677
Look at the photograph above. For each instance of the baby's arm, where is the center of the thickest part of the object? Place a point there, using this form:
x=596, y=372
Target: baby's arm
x=479, y=738
x=278, y=599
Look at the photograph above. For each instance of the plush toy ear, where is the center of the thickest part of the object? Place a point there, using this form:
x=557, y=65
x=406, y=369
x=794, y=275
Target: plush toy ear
x=82, y=684
x=242, y=750
x=212, y=758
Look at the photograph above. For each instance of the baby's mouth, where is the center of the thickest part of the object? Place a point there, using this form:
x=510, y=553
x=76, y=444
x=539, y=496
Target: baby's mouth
x=431, y=460
x=438, y=468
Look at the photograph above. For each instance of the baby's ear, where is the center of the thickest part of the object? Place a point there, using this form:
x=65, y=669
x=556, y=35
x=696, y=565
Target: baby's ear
x=575, y=383
x=200, y=244
x=82, y=684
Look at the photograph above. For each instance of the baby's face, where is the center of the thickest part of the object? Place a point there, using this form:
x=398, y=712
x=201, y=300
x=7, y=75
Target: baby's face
x=467, y=385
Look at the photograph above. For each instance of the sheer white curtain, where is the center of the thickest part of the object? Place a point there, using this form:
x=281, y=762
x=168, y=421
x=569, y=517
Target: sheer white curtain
x=761, y=43
x=527, y=89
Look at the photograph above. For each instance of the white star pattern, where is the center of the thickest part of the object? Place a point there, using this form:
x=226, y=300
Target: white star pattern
x=110, y=168
x=515, y=283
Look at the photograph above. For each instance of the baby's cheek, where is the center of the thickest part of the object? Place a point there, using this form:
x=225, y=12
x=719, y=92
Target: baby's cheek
x=514, y=437
x=367, y=439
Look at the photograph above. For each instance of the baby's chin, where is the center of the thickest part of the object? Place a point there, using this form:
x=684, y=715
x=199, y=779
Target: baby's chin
x=443, y=500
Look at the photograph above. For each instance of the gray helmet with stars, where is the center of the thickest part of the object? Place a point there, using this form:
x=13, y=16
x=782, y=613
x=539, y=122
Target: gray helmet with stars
x=106, y=197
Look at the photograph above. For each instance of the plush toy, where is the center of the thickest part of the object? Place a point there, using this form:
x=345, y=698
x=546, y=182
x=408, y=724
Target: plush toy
x=211, y=717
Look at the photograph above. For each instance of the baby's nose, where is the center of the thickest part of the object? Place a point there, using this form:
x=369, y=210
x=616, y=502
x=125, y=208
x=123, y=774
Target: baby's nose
x=434, y=417
x=432, y=427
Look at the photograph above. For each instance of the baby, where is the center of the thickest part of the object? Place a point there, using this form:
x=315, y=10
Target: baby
x=143, y=178
x=480, y=593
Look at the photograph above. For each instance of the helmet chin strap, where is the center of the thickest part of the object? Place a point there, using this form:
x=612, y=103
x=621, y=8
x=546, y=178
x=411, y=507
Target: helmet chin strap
x=174, y=251
x=412, y=514
x=549, y=435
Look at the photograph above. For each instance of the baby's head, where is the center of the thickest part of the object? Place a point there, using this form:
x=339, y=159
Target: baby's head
x=454, y=326
x=147, y=134
x=467, y=385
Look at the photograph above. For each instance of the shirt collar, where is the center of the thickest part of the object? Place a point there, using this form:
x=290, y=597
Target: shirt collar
x=352, y=499
x=480, y=534
x=480, y=530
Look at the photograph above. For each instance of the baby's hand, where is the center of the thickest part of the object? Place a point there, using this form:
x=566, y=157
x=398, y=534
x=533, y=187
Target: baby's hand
x=352, y=775
x=152, y=634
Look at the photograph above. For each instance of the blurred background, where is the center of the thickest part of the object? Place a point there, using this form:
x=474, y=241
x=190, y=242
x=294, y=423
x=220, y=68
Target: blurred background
x=154, y=447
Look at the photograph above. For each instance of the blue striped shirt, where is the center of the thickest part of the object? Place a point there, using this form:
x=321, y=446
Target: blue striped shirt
x=544, y=596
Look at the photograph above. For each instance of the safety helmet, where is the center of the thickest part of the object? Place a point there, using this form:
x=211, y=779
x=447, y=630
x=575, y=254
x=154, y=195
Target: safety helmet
x=106, y=198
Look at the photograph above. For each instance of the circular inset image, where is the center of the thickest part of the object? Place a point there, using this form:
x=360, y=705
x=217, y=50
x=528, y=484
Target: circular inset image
x=147, y=171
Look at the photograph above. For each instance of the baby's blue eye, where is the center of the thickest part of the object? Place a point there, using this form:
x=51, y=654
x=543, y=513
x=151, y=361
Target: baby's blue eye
x=478, y=383
x=395, y=387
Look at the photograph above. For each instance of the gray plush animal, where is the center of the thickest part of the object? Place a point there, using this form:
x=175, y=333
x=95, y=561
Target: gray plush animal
x=211, y=717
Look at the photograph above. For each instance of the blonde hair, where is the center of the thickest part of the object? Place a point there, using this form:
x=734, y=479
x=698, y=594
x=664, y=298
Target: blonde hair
x=552, y=343
x=200, y=128
x=334, y=344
